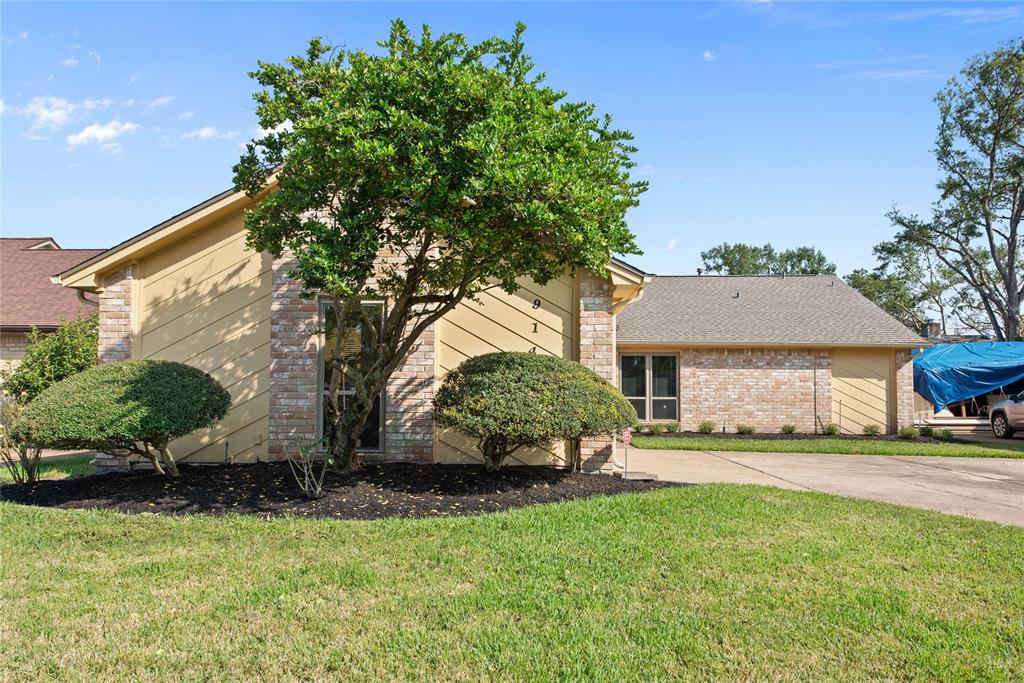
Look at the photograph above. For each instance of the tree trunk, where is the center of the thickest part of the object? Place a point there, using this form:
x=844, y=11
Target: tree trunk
x=348, y=425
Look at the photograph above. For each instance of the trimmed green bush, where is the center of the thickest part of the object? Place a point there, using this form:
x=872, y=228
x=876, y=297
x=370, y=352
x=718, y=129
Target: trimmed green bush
x=50, y=357
x=745, y=429
x=910, y=433
x=137, y=405
x=830, y=429
x=656, y=428
x=707, y=426
x=509, y=401
x=927, y=431
x=872, y=430
x=788, y=429
x=671, y=427
x=944, y=435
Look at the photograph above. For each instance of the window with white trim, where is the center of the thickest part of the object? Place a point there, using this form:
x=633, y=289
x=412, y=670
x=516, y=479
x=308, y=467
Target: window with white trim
x=650, y=383
x=372, y=438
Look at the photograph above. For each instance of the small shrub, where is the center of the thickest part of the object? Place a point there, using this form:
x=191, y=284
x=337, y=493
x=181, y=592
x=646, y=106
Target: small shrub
x=788, y=429
x=657, y=428
x=304, y=468
x=944, y=435
x=508, y=401
x=671, y=427
x=51, y=357
x=745, y=429
x=927, y=431
x=20, y=458
x=872, y=430
x=707, y=426
x=831, y=429
x=137, y=405
x=910, y=433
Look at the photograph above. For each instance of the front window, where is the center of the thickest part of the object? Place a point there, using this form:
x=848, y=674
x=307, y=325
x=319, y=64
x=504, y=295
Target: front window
x=372, y=437
x=649, y=382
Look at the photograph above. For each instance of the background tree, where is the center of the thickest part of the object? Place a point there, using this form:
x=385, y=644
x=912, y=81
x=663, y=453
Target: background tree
x=749, y=259
x=974, y=229
x=450, y=155
x=50, y=357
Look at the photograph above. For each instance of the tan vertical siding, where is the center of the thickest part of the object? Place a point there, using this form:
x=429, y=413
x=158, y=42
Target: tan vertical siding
x=205, y=301
x=538, y=318
x=861, y=389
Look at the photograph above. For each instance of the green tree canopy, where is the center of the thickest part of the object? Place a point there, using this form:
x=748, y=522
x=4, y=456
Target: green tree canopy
x=452, y=156
x=750, y=259
x=50, y=357
x=974, y=228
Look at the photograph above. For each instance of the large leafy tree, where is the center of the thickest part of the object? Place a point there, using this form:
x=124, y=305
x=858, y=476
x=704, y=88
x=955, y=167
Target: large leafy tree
x=750, y=259
x=974, y=229
x=455, y=159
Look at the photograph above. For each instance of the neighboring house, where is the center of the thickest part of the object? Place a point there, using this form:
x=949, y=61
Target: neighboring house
x=765, y=351
x=28, y=298
x=188, y=290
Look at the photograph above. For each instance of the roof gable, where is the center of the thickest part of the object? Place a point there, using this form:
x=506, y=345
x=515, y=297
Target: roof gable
x=28, y=298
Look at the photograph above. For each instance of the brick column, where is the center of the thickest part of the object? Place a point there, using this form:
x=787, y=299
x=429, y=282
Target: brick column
x=597, y=352
x=294, y=327
x=409, y=408
x=115, y=316
x=116, y=307
x=904, y=389
x=823, y=388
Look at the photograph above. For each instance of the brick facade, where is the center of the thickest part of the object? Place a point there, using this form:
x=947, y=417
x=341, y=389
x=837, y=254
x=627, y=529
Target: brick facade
x=597, y=352
x=766, y=388
x=116, y=307
x=12, y=349
x=904, y=389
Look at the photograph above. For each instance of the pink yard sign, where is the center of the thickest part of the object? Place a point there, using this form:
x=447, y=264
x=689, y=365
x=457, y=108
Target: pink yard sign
x=627, y=434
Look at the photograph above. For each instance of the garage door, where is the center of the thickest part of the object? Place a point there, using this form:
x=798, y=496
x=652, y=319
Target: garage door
x=861, y=389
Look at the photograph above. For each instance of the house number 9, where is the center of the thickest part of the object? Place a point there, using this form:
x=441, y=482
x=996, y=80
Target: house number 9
x=536, y=303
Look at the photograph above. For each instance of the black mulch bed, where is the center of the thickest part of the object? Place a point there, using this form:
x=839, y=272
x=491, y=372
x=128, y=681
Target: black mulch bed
x=774, y=436
x=376, y=491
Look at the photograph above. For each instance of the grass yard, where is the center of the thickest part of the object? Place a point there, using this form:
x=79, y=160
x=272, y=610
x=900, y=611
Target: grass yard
x=57, y=469
x=709, y=582
x=694, y=442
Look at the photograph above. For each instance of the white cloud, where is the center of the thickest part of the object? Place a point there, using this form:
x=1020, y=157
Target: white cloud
x=209, y=133
x=92, y=104
x=129, y=103
x=186, y=115
x=161, y=101
x=3, y=107
x=48, y=112
x=23, y=35
x=710, y=55
x=284, y=127
x=899, y=74
x=102, y=134
x=672, y=244
x=96, y=57
x=69, y=62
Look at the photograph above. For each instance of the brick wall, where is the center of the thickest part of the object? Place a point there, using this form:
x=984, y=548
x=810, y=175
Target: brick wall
x=115, y=316
x=294, y=338
x=597, y=352
x=12, y=349
x=904, y=389
x=766, y=388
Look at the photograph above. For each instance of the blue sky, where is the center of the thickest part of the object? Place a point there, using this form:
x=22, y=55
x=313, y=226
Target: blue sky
x=762, y=121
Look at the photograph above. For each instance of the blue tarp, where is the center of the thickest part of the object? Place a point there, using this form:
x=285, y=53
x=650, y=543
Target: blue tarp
x=947, y=373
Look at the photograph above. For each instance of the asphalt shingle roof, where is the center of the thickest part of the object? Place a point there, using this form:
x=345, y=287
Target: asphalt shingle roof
x=764, y=310
x=27, y=297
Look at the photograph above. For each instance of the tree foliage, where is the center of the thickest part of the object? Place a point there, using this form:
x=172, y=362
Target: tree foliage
x=509, y=401
x=750, y=259
x=50, y=357
x=137, y=405
x=974, y=228
x=453, y=158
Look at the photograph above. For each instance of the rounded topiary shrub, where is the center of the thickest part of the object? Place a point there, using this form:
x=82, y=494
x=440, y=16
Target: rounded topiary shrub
x=509, y=401
x=138, y=405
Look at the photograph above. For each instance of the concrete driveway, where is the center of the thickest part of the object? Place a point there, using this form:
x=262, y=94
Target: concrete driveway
x=985, y=488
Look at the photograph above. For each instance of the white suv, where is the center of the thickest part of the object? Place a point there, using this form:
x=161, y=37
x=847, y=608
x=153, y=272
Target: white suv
x=1007, y=416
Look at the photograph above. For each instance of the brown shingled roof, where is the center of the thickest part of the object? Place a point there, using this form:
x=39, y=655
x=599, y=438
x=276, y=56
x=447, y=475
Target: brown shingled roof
x=758, y=311
x=27, y=297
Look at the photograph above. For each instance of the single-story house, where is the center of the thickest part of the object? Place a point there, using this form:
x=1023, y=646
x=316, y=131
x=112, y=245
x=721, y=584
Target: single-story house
x=189, y=290
x=28, y=299
x=767, y=351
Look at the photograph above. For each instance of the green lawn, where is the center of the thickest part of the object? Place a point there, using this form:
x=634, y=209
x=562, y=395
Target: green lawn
x=57, y=469
x=976, y=449
x=709, y=582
